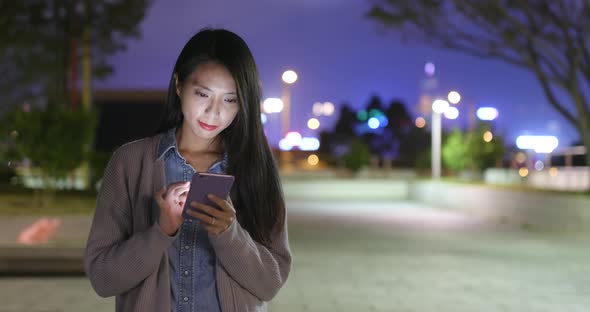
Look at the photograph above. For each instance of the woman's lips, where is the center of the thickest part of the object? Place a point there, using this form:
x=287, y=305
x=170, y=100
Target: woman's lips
x=207, y=127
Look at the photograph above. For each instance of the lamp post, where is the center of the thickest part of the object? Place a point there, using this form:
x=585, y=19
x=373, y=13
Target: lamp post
x=438, y=108
x=289, y=77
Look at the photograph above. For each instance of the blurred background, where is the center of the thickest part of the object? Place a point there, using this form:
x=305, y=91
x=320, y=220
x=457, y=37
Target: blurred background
x=433, y=153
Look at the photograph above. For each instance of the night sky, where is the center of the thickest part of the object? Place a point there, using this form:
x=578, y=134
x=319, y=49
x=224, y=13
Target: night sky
x=340, y=56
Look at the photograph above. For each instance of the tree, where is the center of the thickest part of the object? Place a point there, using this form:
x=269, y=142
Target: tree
x=41, y=40
x=547, y=38
x=53, y=138
x=471, y=151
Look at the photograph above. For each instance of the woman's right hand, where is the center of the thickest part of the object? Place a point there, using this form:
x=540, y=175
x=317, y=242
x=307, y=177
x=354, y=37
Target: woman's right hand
x=171, y=201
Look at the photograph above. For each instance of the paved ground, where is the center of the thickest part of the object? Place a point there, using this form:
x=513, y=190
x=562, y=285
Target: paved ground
x=382, y=257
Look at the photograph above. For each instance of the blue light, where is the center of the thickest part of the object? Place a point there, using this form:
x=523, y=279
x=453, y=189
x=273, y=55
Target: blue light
x=383, y=121
x=309, y=144
x=373, y=123
x=285, y=145
x=263, y=118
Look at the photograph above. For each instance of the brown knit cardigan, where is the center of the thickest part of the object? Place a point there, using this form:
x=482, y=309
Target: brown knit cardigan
x=126, y=254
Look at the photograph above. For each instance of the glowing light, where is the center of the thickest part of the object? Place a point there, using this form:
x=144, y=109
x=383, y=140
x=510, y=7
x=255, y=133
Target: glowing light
x=317, y=109
x=383, y=121
x=272, y=105
x=454, y=97
x=488, y=136
x=420, y=122
x=440, y=106
x=14, y=134
x=313, y=159
x=294, y=138
x=362, y=115
x=309, y=144
x=523, y=172
x=487, y=113
x=313, y=123
x=539, y=165
x=541, y=144
x=289, y=76
x=520, y=157
x=284, y=145
x=263, y=118
x=553, y=171
x=375, y=113
x=328, y=108
x=373, y=123
x=429, y=69
x=451, y=112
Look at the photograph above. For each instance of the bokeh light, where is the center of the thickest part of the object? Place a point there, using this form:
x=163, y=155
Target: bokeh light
x=294, y=138
x=313, y=159
x=309, y=144
x=362, y=115
x=429, y=69
x=284, y=145
x=272, y=105
x=328, y=108
x=542, y=144
x=553, y=171
x=420, y=122
x=373, y=123
x=488, y=136
x=317, y=108
x=313, y=123
x=487, y=113
x=451, y=112
x=520, y=157
x=454, y=97
x=539, y=165
x=523, y=172
x=440, y=106
x=263, y=118
x=289, y=76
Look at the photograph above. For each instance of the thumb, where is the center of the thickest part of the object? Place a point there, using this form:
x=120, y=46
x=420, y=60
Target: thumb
x=160, y=193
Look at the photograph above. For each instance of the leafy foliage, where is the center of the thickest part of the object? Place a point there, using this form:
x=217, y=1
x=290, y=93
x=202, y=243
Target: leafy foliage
x=41, y=42
x=55, y=139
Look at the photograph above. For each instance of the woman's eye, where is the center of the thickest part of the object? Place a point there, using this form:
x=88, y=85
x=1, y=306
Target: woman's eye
x=231, y=100
x=201, y=94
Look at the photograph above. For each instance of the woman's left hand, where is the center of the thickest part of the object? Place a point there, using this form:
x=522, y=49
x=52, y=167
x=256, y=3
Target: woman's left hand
x=215, y=221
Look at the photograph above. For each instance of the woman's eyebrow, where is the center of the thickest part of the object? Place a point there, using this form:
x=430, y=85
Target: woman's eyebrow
x=196, y=84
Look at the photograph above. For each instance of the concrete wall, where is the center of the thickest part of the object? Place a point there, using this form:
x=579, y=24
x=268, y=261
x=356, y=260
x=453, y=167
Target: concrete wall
x=538, y=209
x=346, y=189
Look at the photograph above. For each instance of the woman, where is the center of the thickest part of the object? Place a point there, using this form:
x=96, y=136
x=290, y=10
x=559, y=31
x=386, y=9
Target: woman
x=235, y=258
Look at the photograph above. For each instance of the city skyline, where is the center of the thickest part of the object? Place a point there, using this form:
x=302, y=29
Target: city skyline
x=340, y=56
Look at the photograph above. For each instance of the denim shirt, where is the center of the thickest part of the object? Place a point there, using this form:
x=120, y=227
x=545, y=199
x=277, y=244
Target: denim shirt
x=193, y=284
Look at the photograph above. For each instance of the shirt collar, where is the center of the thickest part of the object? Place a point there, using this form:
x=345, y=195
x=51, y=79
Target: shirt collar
x=167, y=142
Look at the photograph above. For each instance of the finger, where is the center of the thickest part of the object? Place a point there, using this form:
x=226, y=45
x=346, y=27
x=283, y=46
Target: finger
x=208, y=220
x=176, y=190
x=210, y=210
x=223, y=204
x=159, y=195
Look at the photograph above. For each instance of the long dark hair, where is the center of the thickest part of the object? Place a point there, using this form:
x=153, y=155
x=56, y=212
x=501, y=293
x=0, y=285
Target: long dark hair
x=257, y=193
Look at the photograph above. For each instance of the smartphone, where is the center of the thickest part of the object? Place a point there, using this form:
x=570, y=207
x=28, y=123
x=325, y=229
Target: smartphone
x=203, y=184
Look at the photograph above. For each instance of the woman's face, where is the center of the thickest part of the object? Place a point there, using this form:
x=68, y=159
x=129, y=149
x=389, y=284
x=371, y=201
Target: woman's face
x=209, y=100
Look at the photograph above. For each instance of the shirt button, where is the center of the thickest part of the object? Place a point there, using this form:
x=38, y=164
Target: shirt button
x=185, y=299
x=187, y=247
x=186, y=273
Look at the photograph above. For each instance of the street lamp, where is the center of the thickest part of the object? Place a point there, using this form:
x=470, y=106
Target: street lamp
x=438, y=108
x=289, y=77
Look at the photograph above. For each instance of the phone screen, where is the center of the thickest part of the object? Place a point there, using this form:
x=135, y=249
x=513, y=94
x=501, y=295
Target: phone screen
x=203, y=184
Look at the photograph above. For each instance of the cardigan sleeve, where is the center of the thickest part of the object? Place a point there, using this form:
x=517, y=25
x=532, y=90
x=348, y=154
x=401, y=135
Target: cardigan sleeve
x=259, y=269
x=114, y=260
